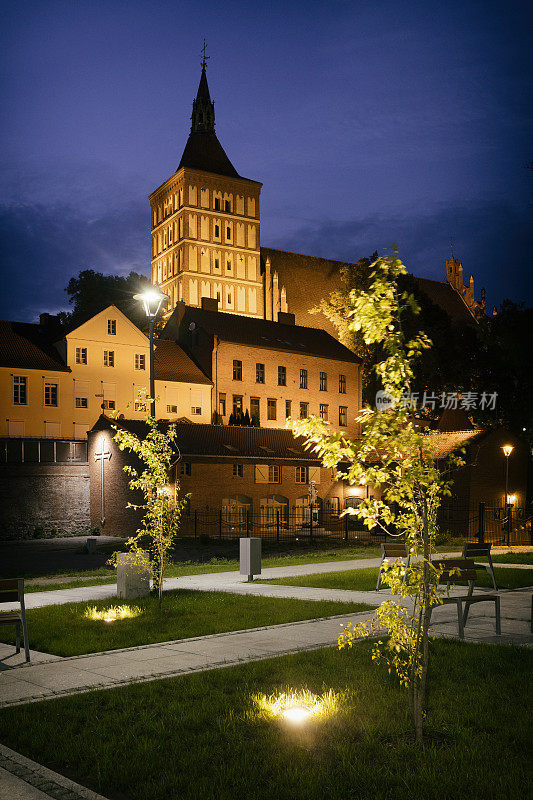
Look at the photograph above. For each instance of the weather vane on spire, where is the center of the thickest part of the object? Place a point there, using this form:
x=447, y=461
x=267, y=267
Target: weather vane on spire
x=205, y=58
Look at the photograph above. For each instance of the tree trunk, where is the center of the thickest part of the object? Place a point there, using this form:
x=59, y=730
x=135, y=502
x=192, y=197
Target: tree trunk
x=425, y=610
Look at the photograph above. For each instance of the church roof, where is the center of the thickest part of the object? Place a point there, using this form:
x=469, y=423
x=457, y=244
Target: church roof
x=446, y=297
x=23, y=345
x=225, y=441
x=204, y=152
x=171, y=363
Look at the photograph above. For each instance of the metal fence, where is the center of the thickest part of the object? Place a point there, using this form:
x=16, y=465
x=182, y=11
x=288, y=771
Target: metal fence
x=484, y=523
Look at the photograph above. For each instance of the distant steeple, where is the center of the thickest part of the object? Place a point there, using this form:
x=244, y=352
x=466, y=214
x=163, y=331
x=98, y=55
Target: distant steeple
x=203, y=151
x=203, y=108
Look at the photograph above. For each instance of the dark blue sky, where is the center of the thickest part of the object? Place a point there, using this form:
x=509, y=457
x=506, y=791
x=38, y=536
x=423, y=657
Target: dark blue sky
x=367, y=122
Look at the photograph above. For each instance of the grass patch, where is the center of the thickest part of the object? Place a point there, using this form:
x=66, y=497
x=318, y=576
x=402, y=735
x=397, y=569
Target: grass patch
x=511, y=558
x=64, y=631
x=365, y=579
x=201, y=736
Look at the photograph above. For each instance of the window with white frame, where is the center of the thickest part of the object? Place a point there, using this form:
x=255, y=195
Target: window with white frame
x=112, y=327
x=185, y=467
x=302, y=474
x=109, y=358
x=51, y=393
x=323, y=410
x=20, y=390
x=274, y=473
x=237, y=470
x=342, y=384
x=271, y=408
x=140, y=361
x=81, y=355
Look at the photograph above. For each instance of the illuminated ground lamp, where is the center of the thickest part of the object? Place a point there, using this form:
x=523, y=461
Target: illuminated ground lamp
x=111, y=614
x=298, y=707
x=152, y=300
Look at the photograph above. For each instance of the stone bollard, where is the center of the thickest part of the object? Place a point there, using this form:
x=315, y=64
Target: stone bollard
x=250, y=557
x=133, y=575
x=90, y=545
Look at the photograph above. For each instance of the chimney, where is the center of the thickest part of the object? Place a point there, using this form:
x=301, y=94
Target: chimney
x=286, y=318
x=209, y=304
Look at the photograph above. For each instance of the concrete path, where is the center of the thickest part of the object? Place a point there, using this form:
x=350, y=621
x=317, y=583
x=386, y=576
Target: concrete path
x=235, y=583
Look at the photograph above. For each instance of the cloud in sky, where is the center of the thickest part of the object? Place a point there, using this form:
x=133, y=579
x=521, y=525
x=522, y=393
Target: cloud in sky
x=44, y=245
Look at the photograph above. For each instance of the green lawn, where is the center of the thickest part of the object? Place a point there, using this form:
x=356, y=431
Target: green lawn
x=365, y=579
x=512, y=558
x=199, y=737
x=63, y=630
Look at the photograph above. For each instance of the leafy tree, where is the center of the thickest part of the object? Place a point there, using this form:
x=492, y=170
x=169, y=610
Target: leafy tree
x=90, y=292
x=156, y=452
x=397, y=460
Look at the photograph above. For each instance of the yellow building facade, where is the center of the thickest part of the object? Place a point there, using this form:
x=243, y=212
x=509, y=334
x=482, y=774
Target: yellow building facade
x=102, y=365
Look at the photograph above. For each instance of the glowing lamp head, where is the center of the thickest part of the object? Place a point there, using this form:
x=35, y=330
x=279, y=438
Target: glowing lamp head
x=507, y=450
x=511, y=499
x=296, y=714
x=152, y=299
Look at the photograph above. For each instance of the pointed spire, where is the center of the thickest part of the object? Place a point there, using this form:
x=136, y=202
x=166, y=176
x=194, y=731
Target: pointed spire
x=203, y=109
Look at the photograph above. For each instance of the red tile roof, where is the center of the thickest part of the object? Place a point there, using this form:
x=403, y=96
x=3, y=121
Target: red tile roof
x=24, y=346
x=171, y=363
x=225, y=441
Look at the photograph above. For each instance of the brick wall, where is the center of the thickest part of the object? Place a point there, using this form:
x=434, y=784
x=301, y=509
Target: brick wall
x=118, y=520
x=51, y=496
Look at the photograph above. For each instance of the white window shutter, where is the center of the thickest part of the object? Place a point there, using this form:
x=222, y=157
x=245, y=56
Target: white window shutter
x=314, y=474
x=261, y=473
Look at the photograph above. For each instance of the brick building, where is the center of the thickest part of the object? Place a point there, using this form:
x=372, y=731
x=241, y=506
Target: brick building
x=273, y=370
x=224, y=468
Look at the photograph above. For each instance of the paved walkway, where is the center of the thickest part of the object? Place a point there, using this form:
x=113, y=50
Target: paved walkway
x=234, y=583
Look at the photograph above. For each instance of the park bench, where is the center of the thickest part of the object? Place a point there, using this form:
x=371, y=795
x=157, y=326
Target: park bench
x=462, y=569
x=475, y=550
x=12, y=589
x=392, y=550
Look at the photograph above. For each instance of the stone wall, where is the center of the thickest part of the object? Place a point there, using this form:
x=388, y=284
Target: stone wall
x=50, y=497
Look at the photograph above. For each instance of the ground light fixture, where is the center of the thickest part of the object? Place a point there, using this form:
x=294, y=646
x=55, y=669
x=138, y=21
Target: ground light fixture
x=298, y=706
x=111, y=614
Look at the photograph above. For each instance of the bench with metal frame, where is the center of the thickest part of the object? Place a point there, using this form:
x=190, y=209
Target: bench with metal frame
x=475, y=550
x=462, y=569
x=12, y=589
x=393, y=550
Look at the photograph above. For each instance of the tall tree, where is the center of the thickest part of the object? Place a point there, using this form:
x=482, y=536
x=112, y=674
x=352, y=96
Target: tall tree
x=90, y=292
x=397, y=460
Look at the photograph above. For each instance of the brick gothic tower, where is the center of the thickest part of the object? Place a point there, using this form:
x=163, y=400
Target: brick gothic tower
x=205, y=224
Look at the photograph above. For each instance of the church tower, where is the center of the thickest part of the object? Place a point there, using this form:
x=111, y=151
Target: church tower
x=205, y=224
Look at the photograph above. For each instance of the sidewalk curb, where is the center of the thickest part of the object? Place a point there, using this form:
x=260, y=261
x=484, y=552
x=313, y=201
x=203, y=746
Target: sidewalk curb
x=51, y=783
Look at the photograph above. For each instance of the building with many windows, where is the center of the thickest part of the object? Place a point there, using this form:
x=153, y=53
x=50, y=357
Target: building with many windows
x=272, y=370
x=58, y=390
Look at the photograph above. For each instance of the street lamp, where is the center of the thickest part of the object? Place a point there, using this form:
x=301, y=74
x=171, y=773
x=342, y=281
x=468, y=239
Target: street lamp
x=507, y=450
x=153, y=300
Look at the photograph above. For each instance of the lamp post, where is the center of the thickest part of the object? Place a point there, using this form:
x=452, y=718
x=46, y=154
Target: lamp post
x=153, y=300
x=507, y=450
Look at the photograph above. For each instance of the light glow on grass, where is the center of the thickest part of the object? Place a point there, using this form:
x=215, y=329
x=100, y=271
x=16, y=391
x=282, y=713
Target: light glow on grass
x=111, y=614
x=298, y=706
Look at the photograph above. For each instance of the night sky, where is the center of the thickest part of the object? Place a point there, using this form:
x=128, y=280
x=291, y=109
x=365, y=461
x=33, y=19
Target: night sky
x=369, y=123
